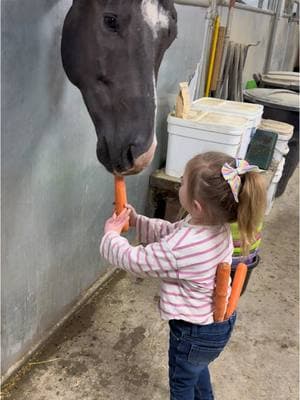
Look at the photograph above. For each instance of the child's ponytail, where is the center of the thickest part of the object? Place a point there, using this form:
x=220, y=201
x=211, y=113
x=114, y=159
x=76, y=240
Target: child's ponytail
x=229, y=190
x=251, y=208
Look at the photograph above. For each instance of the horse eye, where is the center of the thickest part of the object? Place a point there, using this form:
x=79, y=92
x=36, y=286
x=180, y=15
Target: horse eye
x=111, y=22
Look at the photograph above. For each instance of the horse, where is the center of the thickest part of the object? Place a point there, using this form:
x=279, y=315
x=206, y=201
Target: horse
x=111, y=50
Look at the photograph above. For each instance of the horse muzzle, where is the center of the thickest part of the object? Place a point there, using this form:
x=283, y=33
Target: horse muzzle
x=125, y=160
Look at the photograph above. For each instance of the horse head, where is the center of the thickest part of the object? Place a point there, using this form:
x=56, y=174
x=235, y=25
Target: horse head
x=111, y=50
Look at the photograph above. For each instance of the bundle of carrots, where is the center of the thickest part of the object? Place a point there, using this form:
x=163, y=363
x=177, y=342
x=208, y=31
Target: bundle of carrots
x=221, y=289
x=222, y=310
x=120, y=198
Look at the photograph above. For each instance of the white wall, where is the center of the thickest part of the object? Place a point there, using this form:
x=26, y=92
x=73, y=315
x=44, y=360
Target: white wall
x=250, y=27
x=286, y=46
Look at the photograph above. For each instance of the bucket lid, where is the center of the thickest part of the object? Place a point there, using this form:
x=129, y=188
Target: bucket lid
x=223, y=119
x=282, y=128
x=218, y=119
x=228, y=106
x=213, y=121
x=283, y=79
x=243, y=108
x=209, y=101
x=276, y=98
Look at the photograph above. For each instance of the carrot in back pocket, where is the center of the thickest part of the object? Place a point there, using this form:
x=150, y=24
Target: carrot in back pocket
x=221, y=291
x=120, y=198
x=237, y=286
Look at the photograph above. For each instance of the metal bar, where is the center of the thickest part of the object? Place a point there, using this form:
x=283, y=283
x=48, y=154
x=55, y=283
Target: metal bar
x=253, y=9
x=205, y=3
x=200, y=3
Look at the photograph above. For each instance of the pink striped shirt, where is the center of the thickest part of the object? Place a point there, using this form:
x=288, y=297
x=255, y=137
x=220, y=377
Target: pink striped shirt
x=183, y=256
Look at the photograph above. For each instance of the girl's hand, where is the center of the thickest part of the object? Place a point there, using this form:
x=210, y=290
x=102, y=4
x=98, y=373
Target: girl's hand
x=116, y=222
x=133, y=215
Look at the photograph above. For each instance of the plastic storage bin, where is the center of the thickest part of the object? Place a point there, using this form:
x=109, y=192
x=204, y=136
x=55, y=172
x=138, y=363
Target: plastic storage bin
x=280, y=105
x=202, y=132
x=273, y=186
x=284, y=132
x=247, y=260
x=253, y=113
x=281, y=79
x=250, y=268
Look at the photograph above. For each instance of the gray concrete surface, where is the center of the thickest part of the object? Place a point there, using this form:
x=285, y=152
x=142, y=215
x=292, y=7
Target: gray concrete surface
x=116, y=345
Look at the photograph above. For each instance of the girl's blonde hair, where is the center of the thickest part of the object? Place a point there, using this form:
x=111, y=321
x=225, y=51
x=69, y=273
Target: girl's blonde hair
x=206, y=184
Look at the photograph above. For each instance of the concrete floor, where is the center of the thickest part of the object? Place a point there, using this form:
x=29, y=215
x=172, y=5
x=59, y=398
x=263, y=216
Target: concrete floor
x=116, y=346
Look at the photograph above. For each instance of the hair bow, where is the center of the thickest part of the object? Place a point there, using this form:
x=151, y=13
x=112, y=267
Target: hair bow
x=231, y=175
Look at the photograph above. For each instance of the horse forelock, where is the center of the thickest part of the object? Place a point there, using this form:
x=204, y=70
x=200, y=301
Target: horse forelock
x=155, y=16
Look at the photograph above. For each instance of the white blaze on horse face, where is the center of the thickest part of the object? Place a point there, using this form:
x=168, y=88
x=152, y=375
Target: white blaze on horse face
x=155, y=16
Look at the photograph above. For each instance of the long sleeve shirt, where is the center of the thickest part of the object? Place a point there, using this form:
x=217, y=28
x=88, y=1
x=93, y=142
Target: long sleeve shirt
x=185, y=258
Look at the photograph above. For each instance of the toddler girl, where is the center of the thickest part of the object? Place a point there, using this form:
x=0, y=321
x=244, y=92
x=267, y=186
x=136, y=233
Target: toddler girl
x=216, y=190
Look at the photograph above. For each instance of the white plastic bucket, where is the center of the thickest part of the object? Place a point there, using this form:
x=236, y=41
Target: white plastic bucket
x=253, y=113
x=284, y=131
x=273, y=186
x=202, y=132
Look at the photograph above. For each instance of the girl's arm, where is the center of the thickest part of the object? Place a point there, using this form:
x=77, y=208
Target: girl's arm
x=156, y=259
x=151, y=230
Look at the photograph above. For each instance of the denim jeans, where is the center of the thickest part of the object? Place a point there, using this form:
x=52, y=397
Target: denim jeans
x=192, y=348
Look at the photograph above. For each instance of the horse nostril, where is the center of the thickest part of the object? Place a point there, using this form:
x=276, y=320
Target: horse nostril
x=124, y=162
x=130, y=156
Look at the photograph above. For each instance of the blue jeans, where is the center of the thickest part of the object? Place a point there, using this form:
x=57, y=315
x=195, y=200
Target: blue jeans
x=192, y=348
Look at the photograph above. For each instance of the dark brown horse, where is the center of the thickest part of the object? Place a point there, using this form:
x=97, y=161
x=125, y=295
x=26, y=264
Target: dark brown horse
x=112, y=50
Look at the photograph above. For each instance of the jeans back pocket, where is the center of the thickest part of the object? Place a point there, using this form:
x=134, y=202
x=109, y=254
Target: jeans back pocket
x=200, y=354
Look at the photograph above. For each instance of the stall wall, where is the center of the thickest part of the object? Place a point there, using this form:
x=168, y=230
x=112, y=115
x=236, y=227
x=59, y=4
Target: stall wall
x=251, y=28
x=55, y=195
x=286, y=49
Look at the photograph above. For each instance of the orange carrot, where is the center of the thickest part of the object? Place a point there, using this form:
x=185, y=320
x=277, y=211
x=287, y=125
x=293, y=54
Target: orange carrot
x=237, y=286
x=221, y=291
x=120, y=198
